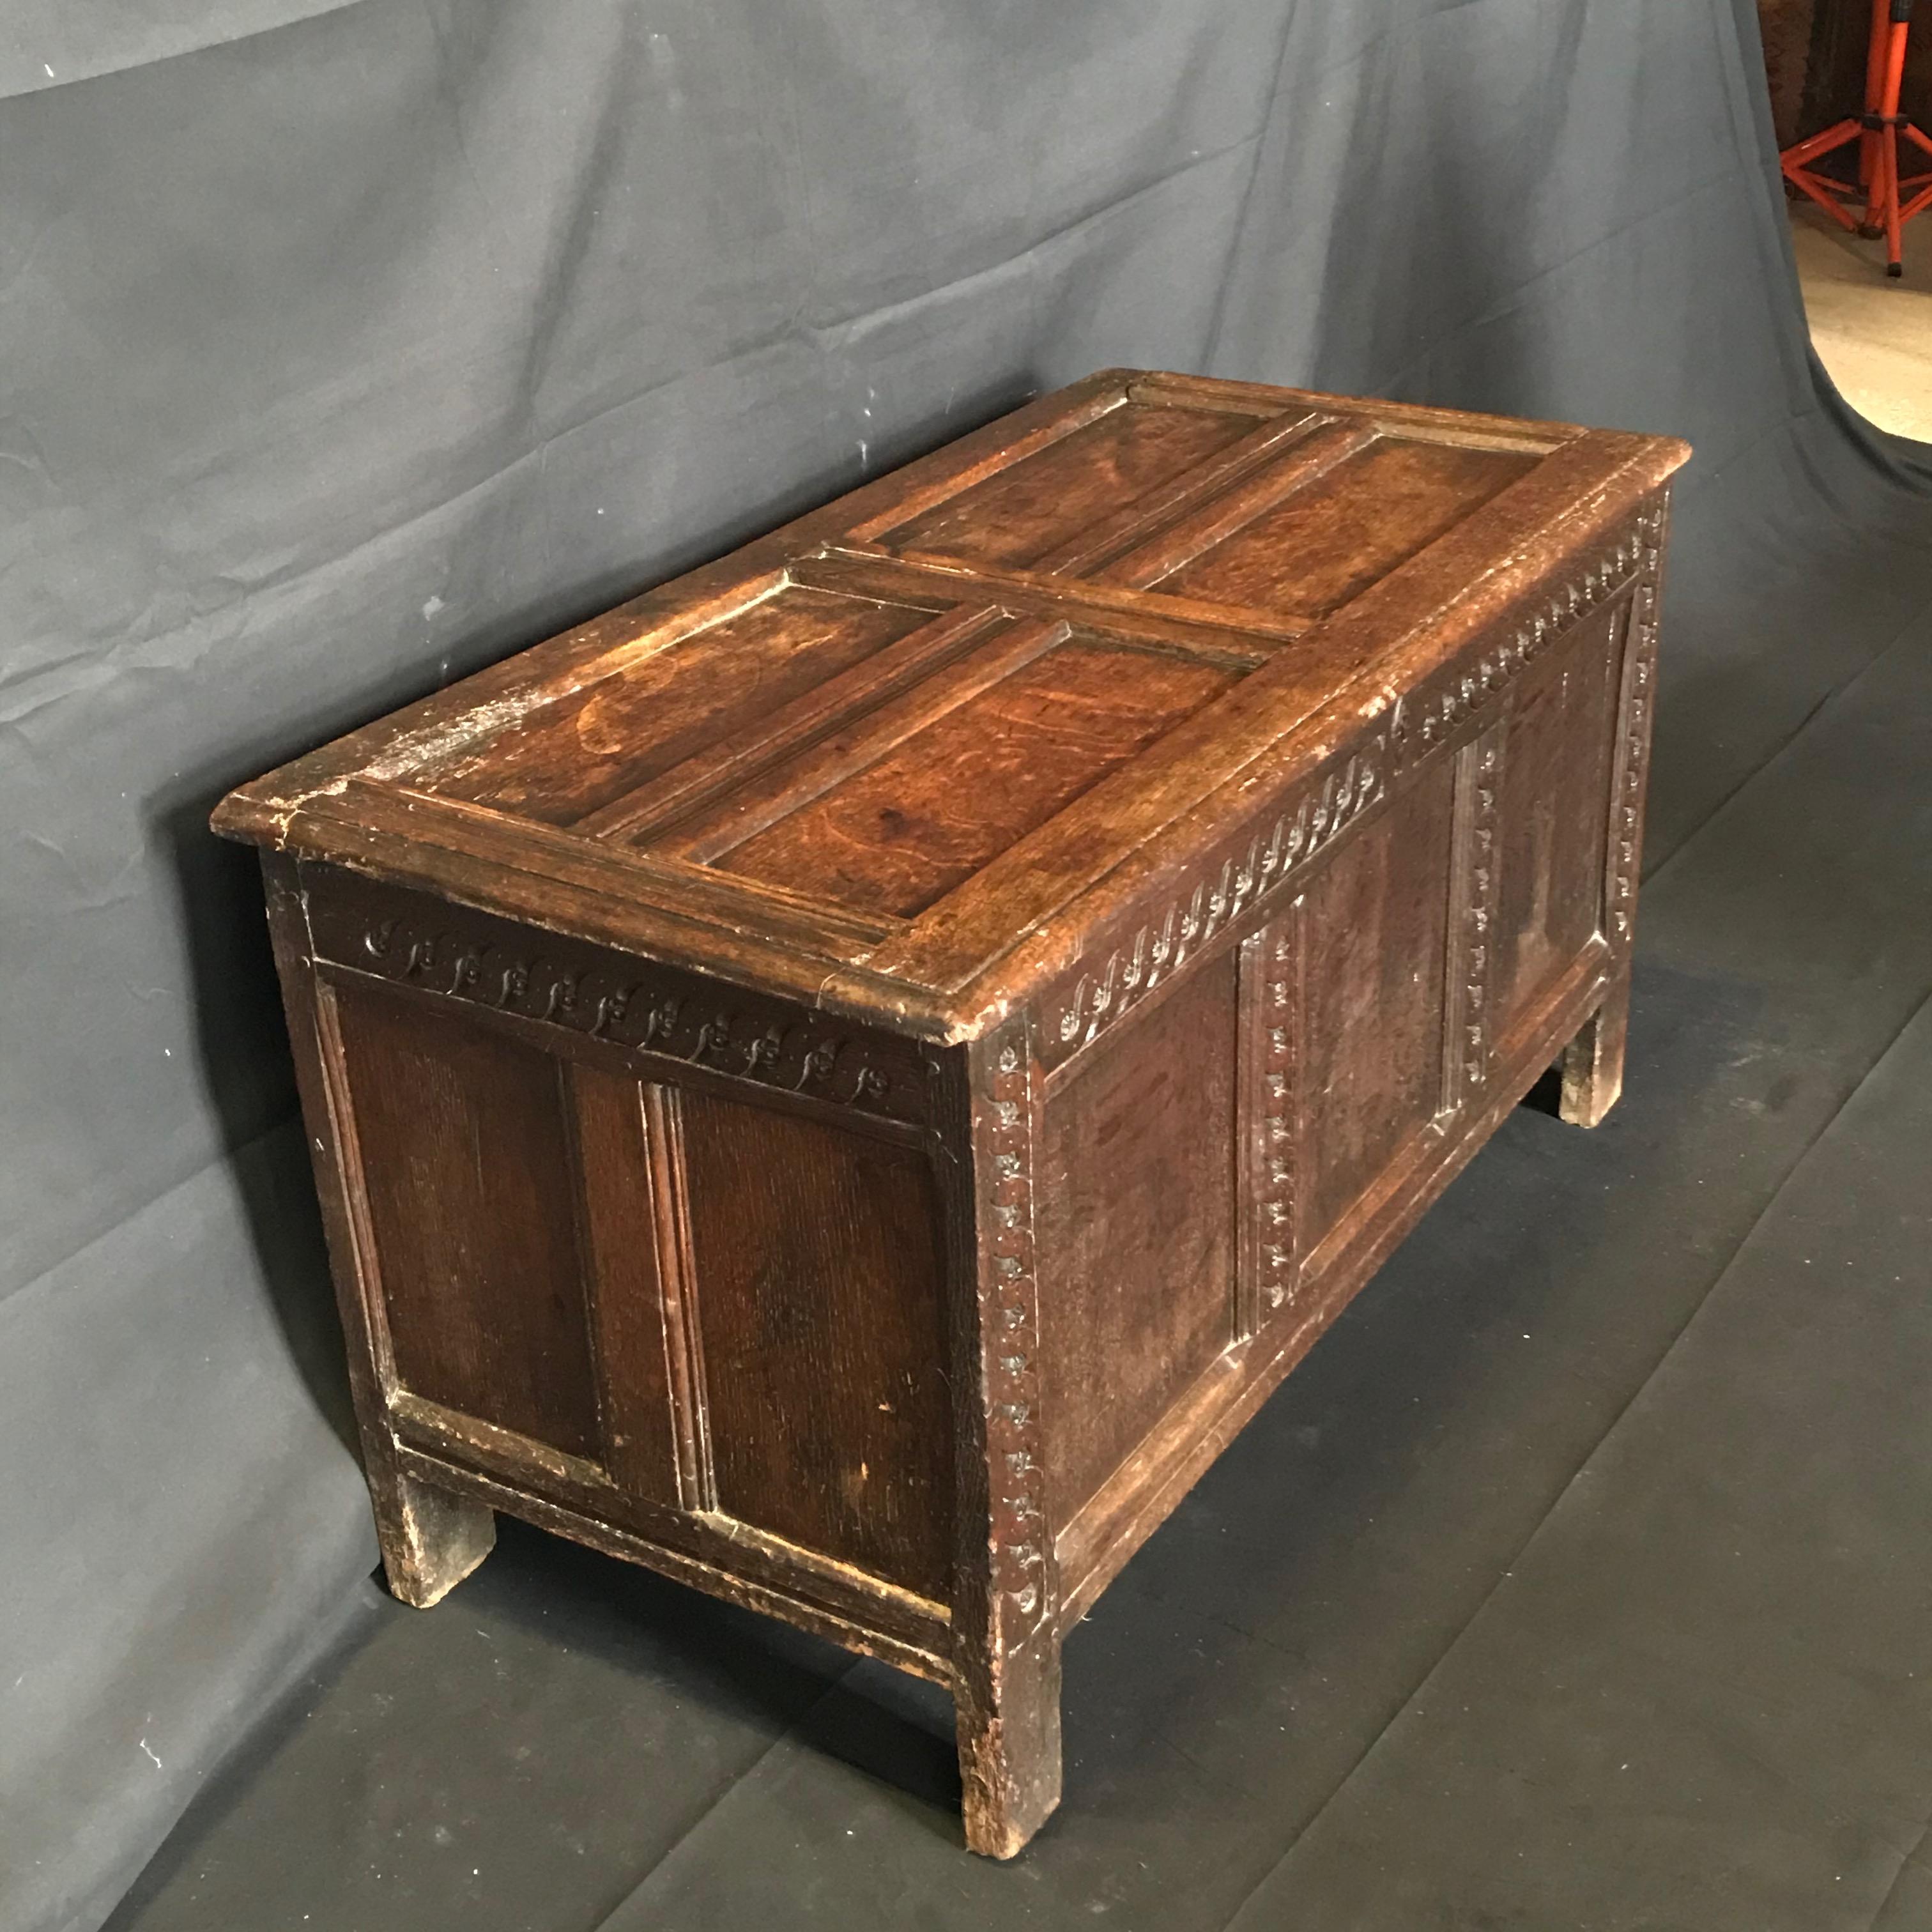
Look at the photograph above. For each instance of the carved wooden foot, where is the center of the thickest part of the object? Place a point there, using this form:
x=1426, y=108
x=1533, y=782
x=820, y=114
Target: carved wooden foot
x=1592, y=1064
x=1009, y=1750
x=431, y=1539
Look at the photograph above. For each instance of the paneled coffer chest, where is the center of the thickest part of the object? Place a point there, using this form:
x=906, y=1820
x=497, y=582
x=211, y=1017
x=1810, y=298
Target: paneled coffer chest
x=848, y=1079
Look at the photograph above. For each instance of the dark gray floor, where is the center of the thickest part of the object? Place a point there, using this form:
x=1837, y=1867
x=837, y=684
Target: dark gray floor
x=1581, y=1578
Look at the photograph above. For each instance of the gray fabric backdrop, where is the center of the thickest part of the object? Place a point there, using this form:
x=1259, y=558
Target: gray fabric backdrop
x=345, y=348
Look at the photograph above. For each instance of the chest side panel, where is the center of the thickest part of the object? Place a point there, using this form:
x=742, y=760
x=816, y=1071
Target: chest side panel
x=1403, y=940
x=1375, y=930
x=1552, y=818
x=660, y=1251
x=471, y=1211
x=815, y=1300
x=1136, y=1194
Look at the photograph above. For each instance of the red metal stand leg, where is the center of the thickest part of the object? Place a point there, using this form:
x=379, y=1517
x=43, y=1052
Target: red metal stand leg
x=1878, y=132
x=1875, y=54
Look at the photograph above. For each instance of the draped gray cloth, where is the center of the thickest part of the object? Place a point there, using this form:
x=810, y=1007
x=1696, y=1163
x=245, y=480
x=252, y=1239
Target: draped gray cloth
x=346, y=348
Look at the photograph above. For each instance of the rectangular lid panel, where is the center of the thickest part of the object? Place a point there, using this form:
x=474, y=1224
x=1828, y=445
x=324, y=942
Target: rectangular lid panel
x=890, y=826
x=1345, y=528
x=1026, y=510
x=561, y=761
x=1239, y=514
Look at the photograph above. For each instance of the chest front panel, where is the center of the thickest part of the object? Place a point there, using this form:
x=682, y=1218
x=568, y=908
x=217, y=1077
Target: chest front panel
x=1272, y=1093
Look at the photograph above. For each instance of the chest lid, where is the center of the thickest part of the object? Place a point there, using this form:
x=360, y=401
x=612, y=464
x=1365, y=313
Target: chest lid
x=894, y=756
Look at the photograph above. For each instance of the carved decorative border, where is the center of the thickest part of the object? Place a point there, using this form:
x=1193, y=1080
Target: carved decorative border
x=1479, y=909
x=1010, y=1350
x=1627, y=807
x=1172, y=937
x=1434, y=712
x=1268, y=1049
x=482, y=961
x=1421, y=722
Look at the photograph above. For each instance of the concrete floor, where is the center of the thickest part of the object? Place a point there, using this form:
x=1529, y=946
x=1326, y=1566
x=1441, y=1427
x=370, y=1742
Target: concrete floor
x=1873, y=334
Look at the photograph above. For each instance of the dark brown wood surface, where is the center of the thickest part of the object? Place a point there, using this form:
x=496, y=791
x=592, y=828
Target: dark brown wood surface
x=1138, y=1178
x=848, y=1078
x=815, y=1260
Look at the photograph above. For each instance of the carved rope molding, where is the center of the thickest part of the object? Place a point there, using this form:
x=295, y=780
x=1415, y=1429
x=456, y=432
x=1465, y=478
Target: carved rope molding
x=1009, y=1346
x=1420, y=721
x=749, y=1040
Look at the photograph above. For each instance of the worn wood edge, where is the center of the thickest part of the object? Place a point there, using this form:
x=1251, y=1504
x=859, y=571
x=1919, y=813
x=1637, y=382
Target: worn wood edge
x=262, y=811
x=712, y=1534
x=599, y=917
x=1097, y=1542
x=440, y=725
x=435, y=1425
x=265, y=811
x=770, y=1599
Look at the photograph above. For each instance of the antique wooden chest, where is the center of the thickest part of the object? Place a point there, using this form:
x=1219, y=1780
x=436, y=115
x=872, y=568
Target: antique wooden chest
x=848, y=1079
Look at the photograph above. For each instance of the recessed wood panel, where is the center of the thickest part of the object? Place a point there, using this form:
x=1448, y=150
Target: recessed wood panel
x=619, y=1220
x=561, y=761
x=815, y=1291
x=1336, y=535
x=1552, y=816
x=1023, y=512
x=465, y=1158
x=931, y=812
x=1136, y=1196
x=1375, y=923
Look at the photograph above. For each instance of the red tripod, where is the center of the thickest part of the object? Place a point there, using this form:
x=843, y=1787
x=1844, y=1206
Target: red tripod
x=1878, y=132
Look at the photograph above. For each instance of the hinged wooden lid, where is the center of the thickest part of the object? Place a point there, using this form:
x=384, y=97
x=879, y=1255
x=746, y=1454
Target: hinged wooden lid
x=894, y=757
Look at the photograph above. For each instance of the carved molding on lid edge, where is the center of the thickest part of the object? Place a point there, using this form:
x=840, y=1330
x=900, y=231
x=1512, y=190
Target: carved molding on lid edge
x=1421, y=722
x=1426, y=717
x=1165, y=943
x=631, y=1004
